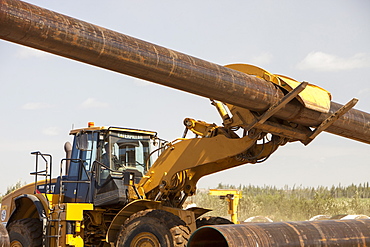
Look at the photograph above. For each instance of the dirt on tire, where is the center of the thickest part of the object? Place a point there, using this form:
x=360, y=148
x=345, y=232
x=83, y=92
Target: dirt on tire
x=155, y=227
x=27, y=232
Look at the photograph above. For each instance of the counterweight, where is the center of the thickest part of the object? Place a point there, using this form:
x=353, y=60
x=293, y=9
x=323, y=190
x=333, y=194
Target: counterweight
x=49, y=31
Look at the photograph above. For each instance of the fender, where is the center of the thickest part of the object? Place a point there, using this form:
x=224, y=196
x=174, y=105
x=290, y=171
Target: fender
x=126, y=212
x=27, y=206
x=188, y=216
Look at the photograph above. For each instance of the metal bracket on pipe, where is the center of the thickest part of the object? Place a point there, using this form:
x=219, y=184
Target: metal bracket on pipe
x=278, y=105
x=331, y=119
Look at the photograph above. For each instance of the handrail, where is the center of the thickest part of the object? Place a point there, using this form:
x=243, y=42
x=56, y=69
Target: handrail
x=46, y=173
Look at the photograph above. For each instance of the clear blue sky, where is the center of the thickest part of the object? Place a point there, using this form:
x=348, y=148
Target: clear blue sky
x=323, y=42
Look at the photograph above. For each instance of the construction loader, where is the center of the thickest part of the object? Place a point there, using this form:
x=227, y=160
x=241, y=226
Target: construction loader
x=126, y=187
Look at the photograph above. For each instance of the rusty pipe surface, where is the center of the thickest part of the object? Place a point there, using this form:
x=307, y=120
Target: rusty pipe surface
x=306, y=233
x=52, y=32
x=4, y=237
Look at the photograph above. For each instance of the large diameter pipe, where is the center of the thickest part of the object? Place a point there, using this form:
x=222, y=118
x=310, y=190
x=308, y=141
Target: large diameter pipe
x=49, y=31
x=280, y=234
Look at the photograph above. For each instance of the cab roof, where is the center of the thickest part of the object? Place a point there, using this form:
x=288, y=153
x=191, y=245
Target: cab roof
x=111, y=128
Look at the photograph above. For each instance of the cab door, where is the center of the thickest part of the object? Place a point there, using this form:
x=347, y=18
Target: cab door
x=77, y=184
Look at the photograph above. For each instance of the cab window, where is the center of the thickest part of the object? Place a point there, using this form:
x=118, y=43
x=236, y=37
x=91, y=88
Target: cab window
x=84, y=152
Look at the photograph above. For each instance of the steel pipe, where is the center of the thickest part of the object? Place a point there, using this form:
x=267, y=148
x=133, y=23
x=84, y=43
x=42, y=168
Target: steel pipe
x=52, y=32
x=279, y=234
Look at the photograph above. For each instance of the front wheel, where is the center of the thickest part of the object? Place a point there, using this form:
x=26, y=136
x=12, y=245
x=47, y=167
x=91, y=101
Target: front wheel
x=25, y=233
x=153, y=228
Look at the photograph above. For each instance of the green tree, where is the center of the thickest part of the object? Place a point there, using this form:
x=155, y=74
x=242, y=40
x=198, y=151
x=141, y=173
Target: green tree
x=12, y=188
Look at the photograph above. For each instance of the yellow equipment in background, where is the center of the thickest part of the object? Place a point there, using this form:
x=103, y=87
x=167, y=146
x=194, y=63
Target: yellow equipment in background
x=232, y=197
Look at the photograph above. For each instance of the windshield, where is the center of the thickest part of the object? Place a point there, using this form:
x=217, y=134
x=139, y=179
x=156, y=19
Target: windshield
x=127, y=151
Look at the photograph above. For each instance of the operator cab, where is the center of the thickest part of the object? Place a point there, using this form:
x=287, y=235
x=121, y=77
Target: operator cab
x=105, y=161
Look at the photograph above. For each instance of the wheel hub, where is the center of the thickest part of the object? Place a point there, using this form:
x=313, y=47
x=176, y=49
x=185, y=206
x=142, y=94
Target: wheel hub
x=145, y=239
x=16, y=243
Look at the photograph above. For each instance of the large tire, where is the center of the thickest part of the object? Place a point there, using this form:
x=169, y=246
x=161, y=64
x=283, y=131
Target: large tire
x=153, y=228
x=212, y=220
x=4, y=237
x=25, y=233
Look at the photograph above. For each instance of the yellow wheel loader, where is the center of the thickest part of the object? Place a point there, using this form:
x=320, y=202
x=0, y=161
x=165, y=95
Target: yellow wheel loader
x=126, y=187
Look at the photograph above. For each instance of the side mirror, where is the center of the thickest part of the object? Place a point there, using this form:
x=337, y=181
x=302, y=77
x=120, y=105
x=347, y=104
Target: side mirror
x=82, y=142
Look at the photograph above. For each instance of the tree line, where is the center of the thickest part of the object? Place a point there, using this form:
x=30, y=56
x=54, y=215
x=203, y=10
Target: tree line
x=11, y=188
x=291, y=203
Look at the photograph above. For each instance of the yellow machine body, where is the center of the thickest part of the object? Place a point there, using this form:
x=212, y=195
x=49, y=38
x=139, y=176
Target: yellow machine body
x=232, y=197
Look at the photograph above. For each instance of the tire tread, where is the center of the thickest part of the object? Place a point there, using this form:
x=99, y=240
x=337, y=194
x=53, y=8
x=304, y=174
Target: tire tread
x=30, y=227
x=177, y=227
